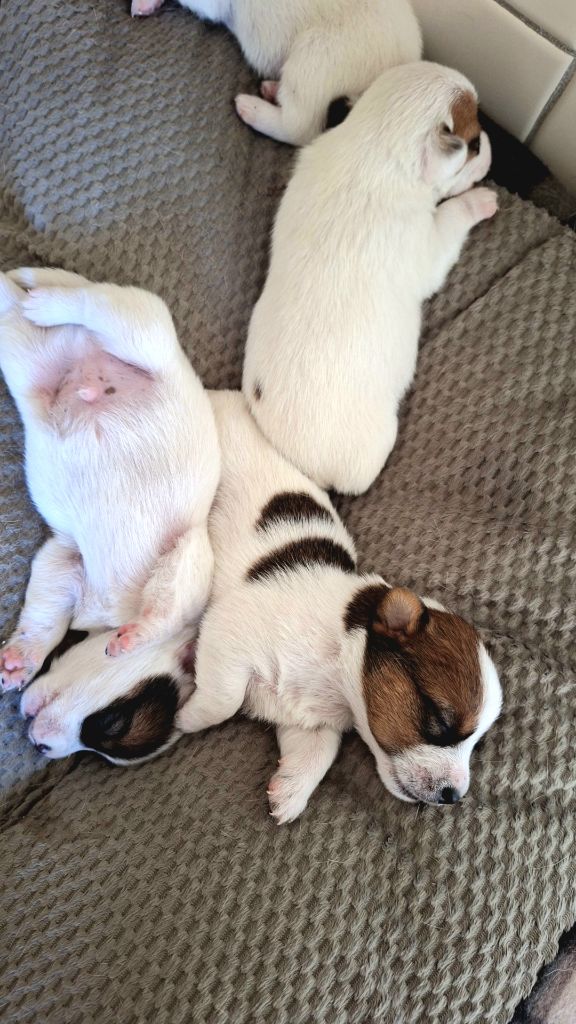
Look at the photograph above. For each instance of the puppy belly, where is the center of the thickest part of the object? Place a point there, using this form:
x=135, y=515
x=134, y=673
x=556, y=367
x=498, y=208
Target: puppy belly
x=96, y=382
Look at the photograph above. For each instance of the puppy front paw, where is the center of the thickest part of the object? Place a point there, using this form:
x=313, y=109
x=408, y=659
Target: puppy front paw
x=18, y=664
x=125, y=640
x=481, y=203
x=247, y=108
x=142, y=8
x=288, y=794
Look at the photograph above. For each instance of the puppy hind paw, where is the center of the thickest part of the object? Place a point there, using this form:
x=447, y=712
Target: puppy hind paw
x=17, y=666
x=125, y=640
x=47, y=307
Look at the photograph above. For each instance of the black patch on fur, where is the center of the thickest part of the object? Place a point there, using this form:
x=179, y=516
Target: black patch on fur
x=110, y=391
x=257, y=392
x=136, y=725
x=337, y=112
x=308, y=551
x=293, y=506
x=73, y=637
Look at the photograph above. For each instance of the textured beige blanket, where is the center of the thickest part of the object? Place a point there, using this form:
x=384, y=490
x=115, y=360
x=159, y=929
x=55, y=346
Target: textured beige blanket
x=166, y=894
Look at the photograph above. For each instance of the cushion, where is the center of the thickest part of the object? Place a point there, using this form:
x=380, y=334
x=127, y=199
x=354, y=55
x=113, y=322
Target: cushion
x=166, y=893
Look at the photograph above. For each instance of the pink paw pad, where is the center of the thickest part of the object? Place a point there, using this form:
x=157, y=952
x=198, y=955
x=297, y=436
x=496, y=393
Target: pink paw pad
x=142, y=8
x=16, y=668
x=125, y=640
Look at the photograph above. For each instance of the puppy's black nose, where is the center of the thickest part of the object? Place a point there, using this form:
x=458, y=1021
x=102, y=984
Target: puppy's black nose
x=448, y=795
x=42, y=748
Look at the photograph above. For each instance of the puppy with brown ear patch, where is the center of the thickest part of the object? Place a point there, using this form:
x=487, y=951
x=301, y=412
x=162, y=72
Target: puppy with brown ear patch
x=359, y=242
x=295, y=636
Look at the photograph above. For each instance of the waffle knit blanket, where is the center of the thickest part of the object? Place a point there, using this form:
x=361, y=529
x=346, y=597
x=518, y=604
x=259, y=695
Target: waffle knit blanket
x=166, y=894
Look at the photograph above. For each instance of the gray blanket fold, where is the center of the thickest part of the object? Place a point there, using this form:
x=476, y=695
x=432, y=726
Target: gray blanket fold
x=166, y=894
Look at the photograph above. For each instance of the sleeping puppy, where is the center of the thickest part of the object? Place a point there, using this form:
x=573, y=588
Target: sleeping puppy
x=122, y=461
x=295, y=636
x=122, y=709
x=359, y=242
x=310, y=52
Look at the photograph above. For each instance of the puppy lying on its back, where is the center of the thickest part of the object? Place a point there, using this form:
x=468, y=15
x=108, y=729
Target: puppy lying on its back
x=122, y=461
x=295, y=636
x=358, y=244
x=310, y=52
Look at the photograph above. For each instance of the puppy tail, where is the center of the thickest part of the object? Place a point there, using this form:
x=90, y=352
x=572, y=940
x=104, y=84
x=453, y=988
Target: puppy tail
x=10, y=294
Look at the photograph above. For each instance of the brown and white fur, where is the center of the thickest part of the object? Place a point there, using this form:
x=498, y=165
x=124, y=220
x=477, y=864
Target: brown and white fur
x=297, y=637
x=122, y=461
x=310, y=52
x=359, y=242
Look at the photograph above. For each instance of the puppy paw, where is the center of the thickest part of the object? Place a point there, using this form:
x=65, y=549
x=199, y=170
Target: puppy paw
x=18, y=664
x=481, y=203
x=288, y=794
x=142, y=8
x=125, y=640
x=247, y=108
x=269, y=90
x=48, y=307
x=35, y=698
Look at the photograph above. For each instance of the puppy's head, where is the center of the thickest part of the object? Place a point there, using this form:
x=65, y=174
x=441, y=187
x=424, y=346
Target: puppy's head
x=429, y=692
x=122, y=708
x=424, y=120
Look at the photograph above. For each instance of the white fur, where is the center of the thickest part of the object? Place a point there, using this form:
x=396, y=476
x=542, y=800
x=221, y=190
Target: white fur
x=278, y=646
x=310, y=52
x=358, y=244
x=122, y=461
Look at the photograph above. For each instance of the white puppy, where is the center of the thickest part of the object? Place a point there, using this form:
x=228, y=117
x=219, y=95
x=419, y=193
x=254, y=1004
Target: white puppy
x=122, y=461
x=295, y=636
x=359, y=242
x=310, y=53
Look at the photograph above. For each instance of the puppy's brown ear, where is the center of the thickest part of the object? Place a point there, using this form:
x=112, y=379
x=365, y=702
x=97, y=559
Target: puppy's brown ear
x=400, y=614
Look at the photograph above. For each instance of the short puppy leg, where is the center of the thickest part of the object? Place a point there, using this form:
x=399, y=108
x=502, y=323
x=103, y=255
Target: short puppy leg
x=175, y=595
x=453, y=221
x=306, y=756
x=221, y=680
x=131, y=324
x=54, y=587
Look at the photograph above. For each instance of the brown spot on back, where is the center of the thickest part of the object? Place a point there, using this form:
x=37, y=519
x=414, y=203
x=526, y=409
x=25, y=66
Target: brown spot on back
x=420, y=688
x=110, y=391
x=464, y=112
x=294, y=506
x=301, y=553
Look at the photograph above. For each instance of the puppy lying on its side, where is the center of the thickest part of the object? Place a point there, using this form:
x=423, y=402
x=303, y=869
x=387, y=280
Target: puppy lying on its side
x=358, y=244
x=122, y=461
x=310, y=52
x=295, y=636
